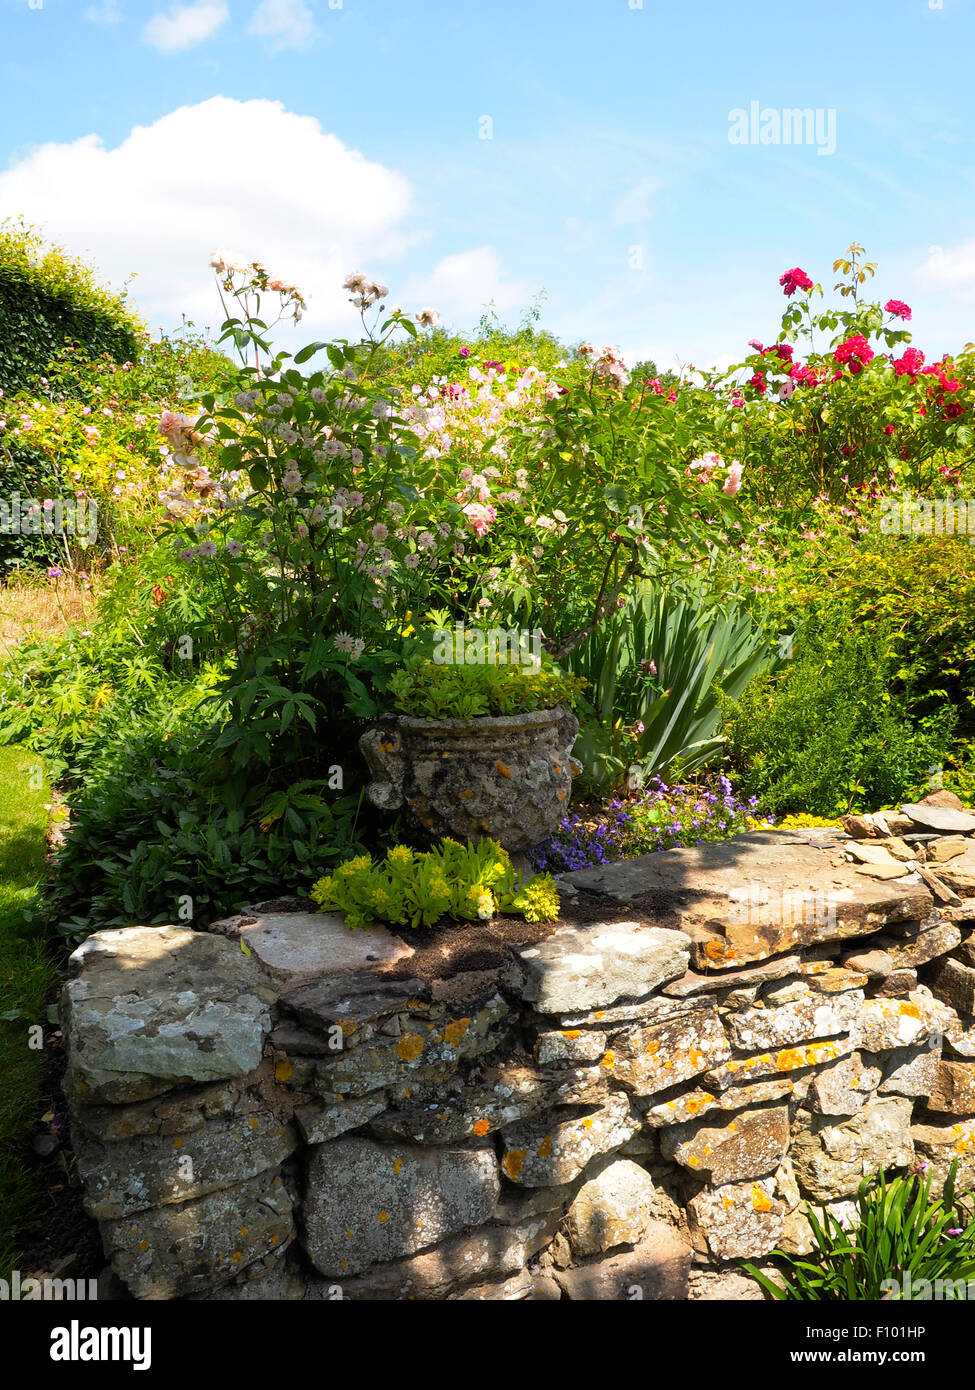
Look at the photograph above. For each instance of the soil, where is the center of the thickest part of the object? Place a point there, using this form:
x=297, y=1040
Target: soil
x=455, y=948
x=61, y=1241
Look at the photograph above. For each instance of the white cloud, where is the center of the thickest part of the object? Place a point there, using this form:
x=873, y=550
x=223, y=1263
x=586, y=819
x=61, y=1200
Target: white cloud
x=287, y=23
x=462, y=285
x=106, y=12
x=184, y=26
x=248, y=175
x=952, y=269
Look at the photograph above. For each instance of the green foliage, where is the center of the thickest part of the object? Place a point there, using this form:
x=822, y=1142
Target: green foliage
x=835, y=729
x=159, y=835
x=428, y=689
x=47, y=299
x=657, y=670
x=471, y=882
x=899, y=1232
x=26, y=977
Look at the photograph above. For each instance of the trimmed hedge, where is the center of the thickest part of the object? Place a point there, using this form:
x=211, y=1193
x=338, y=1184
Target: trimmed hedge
x=49, y=299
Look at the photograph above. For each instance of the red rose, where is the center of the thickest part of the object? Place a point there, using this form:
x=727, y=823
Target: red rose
x=795, y=279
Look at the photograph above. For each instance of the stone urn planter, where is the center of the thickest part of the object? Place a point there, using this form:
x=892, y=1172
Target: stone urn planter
x=506, y=777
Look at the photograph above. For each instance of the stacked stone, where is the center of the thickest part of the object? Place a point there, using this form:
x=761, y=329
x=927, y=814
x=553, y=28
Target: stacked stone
x=276, y=1109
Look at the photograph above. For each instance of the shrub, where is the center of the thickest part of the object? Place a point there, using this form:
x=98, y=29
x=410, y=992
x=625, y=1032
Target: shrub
x=156, y=837
x=48, y=299
x=835, y=730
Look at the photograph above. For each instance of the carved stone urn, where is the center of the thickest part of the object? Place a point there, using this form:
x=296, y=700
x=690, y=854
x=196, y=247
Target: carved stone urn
x=506, y=777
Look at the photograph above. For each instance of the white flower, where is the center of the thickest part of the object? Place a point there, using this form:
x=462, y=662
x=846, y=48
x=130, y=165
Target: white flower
x=343, y=642
x=428, y=318
x=207, y=550
x=234, y=548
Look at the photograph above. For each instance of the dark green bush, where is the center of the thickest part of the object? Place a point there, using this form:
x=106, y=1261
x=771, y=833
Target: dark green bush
x=48, y=299
x=156, y=837
x=837, y=728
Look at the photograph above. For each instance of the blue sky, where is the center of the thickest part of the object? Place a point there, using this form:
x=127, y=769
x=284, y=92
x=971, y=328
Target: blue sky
x=326, y=137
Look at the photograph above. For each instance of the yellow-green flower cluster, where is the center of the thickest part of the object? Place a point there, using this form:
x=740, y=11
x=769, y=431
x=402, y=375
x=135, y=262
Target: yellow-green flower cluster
x=407, y=888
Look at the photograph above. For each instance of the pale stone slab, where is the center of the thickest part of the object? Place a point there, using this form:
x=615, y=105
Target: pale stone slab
x=756, y=896
x=599, y=963
x=298, y=947
x=944, y=818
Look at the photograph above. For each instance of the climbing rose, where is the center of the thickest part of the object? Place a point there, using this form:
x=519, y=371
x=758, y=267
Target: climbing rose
x=795, y=279
x=758, y=381
x=857, y=351
x=733, y=481
x=898, y=308
x=910, y=364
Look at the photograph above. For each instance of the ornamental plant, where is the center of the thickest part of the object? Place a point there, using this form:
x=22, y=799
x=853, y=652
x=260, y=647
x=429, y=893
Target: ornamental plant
x=651, y=818
x=426, y=689
x=900, y=1236
x=331, y=508
x=406, y=888
x=841, y=402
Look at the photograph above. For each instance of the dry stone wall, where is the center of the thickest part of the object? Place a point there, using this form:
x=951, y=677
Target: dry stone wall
x=624, y=1109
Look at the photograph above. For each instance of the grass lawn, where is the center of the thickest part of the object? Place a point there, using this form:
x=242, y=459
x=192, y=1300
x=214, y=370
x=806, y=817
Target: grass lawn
x=26, y=976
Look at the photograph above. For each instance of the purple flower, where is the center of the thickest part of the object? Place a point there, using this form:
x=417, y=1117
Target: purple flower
x=55, y=572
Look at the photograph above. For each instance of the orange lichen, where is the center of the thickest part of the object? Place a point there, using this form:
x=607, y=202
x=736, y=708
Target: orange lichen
x=283, y=1071
x=761, y=1200
x=383, y=1217
x=514, y=1161
x=571, y=1033
x=481, y=1127
x=455, y=1030
x=608, y=1059
x=502, y=769
x=545, y=1147
x=409, y=1046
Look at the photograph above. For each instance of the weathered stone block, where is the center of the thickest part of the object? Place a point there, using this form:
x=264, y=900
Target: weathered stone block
x=177, y=1250
x=154, y=1170
x=151, y=1008
x=843, y=1088
x=910, y=1071
x=939, y=1146
x=740, y=1071
x=885, y=1024
x=749, y=1145
x=953, y=1092
x=613, y=1208
x=662, y=1055
x=954, y=983
x=590, y=966
x=553, y=1150
x=831, y=1160
x=658, y=1266
x=806, y=1020
x=740, y=1221
x=367, y=1202
x=298, y=947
